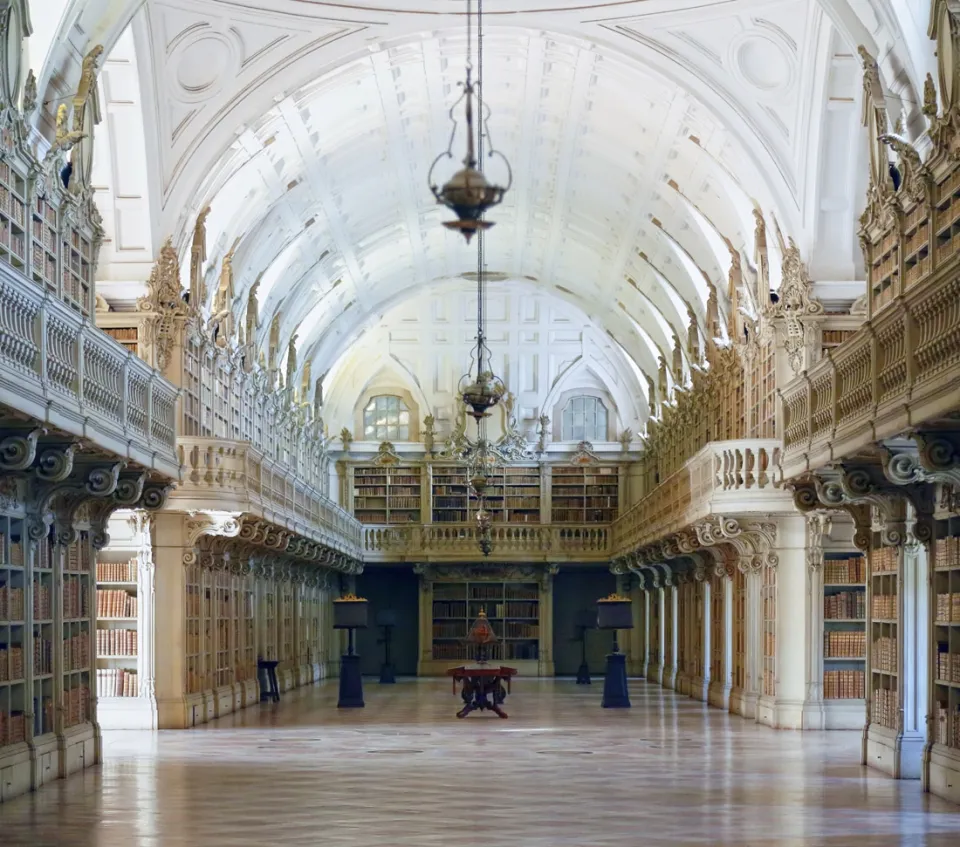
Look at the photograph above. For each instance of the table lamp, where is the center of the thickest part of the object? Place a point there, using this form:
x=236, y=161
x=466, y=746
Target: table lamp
x=350, y=613
x=615, y=613
x=387, y=620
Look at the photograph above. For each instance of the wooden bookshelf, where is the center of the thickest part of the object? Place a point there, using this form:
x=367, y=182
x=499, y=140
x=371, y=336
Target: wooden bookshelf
x=13, y=637
x=128, y=336
x=193, y=658
x=584, y=493
x=718, y=629
x=883, y=606
x=844, y=626
x=739, y=676
x=513, y=495
x=44, y=237
x=226, y=627
x=698, y=661
x=768, y=606
x=117, y=628
x=13, y=217
x=43, y=631
x=668, y=657
x=513, y=609
x=77, y=663
x=387, y=494
x=287, y=633
x=268, y=640
x=946, y=641
x=655, y=650
x=76, y=269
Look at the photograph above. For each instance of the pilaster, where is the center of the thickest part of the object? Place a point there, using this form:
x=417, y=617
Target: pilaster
x=171, y=554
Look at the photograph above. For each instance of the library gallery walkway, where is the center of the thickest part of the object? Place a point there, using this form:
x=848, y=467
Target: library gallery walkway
x=403, y=772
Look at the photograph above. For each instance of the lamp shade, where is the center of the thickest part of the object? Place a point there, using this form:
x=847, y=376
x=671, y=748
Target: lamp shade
x=614, y=612
x=350, y=612
x=386, y=617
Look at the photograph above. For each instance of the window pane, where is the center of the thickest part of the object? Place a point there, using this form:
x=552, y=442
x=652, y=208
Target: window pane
x=404, y=418
x=403, y=433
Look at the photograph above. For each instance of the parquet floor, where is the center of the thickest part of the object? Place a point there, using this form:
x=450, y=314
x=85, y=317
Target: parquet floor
x=403, y=772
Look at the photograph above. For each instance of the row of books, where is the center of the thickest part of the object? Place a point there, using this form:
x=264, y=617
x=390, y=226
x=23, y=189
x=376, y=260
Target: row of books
x=884, y=606
x=11, y=604
x=76, y=598
x=13, y=728
x=885, y=709
x=113, y=682
x=11, y=663
x=14, y=557
x=947, y=725
x=117, y=571
x=42, y=607
x=946, y=553
x=116, y=642
x=947, y=665
x=883, y=656
x=514, y=609
x=450, y=629
x=769, y=644
x=76, y=705
x=884, y=560
x=42, y=657
x=844, y=645
x=449, y=608
x=845, y=605
x=514, y=629
x=843, y=685
x=403, y=502
x=116, y=604
x=948, y=608
x=76, y=653
x=844, y=571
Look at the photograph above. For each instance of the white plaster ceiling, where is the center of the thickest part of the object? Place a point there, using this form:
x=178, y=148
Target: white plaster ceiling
x=641, y=135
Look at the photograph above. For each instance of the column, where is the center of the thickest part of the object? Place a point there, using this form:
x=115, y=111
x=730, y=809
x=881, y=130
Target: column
x=171, y=554
x=670, y=633
x=753, y=649
x=814, y=710
x=915, y=650
x=142, y=523
x=792, y=623
x=700, y=685
x=545, y=649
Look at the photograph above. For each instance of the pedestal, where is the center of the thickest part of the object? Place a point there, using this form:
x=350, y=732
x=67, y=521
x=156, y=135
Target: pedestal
x=615, y=694
x=351, y=683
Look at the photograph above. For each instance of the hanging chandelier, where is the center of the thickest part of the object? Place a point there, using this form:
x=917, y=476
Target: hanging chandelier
x=470, y=195
x=467, y=193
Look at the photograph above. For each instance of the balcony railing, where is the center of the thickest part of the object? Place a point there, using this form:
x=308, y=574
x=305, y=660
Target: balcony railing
x=725, y=477
x=518, y=543
x=235, y=476
x=60, y=369
x=900, y=369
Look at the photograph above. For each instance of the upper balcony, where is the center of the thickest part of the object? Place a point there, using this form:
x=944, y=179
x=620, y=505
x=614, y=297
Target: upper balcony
x=724, y=478
x=59, y=369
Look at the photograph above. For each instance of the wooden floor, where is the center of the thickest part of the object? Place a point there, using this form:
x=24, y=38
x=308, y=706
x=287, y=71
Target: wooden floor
x=562, y=772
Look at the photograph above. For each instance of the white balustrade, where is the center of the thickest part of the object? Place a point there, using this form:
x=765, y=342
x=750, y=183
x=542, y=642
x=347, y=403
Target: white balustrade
x=60, y=369
x=526, y=542
x=725, y=477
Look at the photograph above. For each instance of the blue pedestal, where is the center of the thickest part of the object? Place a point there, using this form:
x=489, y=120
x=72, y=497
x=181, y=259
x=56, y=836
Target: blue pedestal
x=351, y=683
x=615, y=694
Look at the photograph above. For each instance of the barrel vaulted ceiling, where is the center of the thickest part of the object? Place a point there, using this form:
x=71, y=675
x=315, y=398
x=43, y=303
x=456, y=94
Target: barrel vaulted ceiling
x=642, y=135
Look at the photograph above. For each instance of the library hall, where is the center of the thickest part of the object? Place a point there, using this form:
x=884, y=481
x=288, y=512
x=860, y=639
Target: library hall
x=479, y=421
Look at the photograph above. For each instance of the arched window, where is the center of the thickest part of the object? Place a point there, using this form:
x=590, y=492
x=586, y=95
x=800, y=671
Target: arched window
x=584, y=419
x=386, y=418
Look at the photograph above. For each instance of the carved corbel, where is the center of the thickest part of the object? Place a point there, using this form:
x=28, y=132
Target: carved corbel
x=807, y=500
x=819, y=524
x=18, y=450
x=201, y=524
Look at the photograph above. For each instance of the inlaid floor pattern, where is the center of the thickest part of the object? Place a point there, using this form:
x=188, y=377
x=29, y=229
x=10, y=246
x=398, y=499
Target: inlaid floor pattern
x=562, y=772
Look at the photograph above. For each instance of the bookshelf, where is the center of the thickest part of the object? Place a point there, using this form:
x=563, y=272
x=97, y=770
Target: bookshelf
x=739, y=676
x=248, y=664
x=193, y=658
x=13, y=640
x=718, y=636
x=946, y=641
x=268, y=639
x=287, y=634
x=669, y=666
x=844, y=626
x=514, y=609
x=768, y=607
x=13, y=209
x=655, y=650
x=513, y=495
x=117, y=630
x=698, y=661
x=76, y=268
x=77, y=665
x=126, y=336
x=883, y=600
x=43, y=232
x=226, y=628
x=584, y=493
x=386, y=494
x=43, y=628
